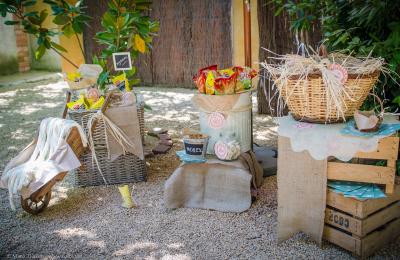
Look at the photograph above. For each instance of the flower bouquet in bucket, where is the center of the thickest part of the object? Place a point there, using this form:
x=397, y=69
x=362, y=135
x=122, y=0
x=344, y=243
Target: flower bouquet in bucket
x=324, y=88
x=224, y=102
x=234, y=80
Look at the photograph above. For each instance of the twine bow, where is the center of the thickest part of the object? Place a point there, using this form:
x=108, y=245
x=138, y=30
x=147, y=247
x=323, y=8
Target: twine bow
x=119, y=135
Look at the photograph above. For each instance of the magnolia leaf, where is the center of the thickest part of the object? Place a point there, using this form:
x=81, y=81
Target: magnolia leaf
x=40, y=51
x=61, y=19
x=50, y=2
x=47, y=43
x=396, y=100
x=43, y=15
x=35, y=20
x=102, y=77
x=108, y=20
x=11, y=22
x=134, y=82
x=95, y=60
x=131, y=72
x=28, y=3
x=77, y=26
x=35, y=13
x=140, y=45
x=120, y=22
x=68, y=30
x=58, y=47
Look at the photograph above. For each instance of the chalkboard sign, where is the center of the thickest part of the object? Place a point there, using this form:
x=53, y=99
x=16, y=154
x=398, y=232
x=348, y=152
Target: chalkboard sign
x=194, y=149
x=122, y=61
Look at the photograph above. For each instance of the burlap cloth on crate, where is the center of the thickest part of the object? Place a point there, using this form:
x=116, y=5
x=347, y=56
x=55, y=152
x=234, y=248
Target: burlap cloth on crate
x=126, y=118
x=302, y=184
x=218, y=185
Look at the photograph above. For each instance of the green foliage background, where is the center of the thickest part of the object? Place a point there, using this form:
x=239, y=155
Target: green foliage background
x=359, y=27
x=123, y=22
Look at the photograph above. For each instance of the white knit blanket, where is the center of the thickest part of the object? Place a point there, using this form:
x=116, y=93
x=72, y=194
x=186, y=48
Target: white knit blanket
x=42, y=160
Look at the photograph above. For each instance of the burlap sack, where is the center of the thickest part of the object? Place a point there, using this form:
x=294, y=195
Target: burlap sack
x=215, y=103
x=301, y=193
x=126, y=118
x=223, y=186
x=256, y=170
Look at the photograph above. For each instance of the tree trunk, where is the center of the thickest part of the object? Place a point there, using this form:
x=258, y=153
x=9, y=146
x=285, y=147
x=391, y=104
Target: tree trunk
x=95, y=9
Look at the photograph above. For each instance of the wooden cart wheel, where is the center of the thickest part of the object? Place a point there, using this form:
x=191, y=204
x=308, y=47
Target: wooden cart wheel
x=35, y=207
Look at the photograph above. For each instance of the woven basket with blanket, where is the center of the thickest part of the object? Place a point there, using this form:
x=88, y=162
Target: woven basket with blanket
x=106, y=163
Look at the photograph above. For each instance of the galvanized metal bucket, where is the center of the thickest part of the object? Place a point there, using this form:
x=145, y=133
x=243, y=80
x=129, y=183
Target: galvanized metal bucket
x=236, y=122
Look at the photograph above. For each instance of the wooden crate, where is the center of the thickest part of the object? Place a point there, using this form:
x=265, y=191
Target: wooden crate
x=388, y=150
x=362, y=227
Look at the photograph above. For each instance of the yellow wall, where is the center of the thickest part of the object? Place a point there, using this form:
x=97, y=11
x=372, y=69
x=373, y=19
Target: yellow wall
x=50, y=60
x=74, y=53
x=70, y=44
x=237, y=24
x=238, y=33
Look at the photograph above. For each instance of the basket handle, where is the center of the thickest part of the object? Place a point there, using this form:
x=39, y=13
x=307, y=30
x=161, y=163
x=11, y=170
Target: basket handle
x=323, y=51
x=64, y=115
x=103, y=108
x=106, y=102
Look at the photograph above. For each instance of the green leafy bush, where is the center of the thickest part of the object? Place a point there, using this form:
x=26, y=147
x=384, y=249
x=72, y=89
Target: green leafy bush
x=360, y=27
x=126, y=29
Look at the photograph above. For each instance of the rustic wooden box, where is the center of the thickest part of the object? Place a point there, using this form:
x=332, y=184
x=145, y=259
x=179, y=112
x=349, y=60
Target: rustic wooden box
x=357, y=170
x=362, y=227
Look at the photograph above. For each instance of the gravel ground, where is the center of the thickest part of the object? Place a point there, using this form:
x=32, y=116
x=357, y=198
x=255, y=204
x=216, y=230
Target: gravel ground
x=89, y=223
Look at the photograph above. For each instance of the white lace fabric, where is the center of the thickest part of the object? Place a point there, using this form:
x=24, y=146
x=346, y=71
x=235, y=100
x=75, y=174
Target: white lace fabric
x=323, y=141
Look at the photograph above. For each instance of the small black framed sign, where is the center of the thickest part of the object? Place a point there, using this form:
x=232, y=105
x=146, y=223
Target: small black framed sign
x=122, y=61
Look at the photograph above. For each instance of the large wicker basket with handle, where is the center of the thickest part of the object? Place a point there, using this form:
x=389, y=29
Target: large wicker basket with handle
x=77, y=116
x=311, y=105
x=127, y=168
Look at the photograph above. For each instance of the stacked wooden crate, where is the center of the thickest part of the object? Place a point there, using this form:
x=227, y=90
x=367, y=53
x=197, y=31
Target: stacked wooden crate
x=359, y=170
x=359, y=226
x=362, y=227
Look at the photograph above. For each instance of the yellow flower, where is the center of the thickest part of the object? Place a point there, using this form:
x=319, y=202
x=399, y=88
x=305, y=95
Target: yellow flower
x=139, y=43
x=72, y=76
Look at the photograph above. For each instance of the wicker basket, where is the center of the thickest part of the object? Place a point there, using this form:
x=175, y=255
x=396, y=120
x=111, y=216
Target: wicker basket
x=311, y=106
x=127, y=168
x=77, y=116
